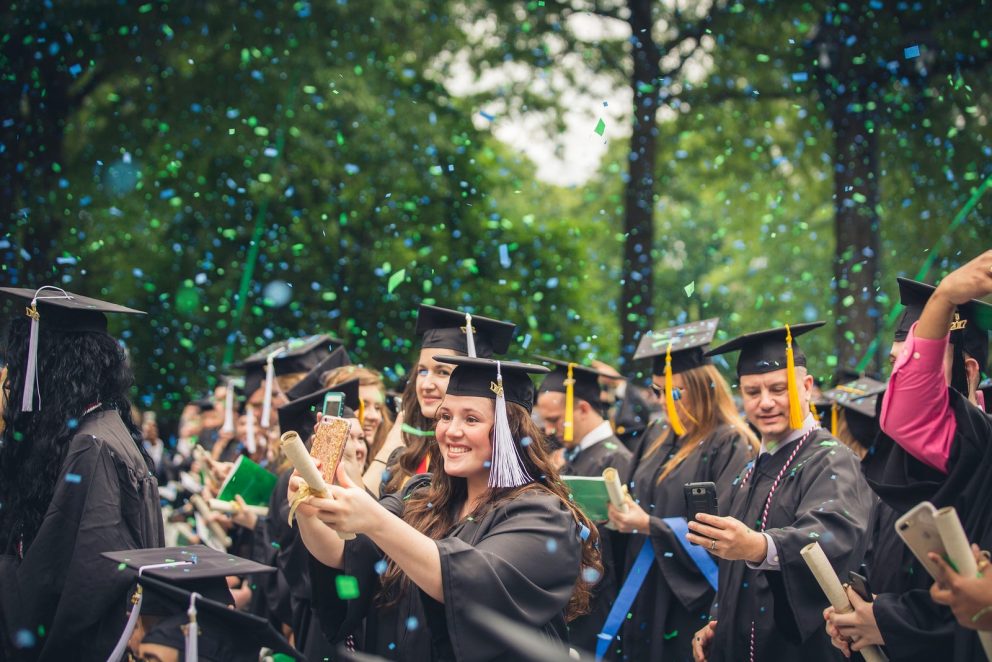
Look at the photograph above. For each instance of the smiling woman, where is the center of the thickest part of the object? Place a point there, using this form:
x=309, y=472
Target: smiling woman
x=468, y=532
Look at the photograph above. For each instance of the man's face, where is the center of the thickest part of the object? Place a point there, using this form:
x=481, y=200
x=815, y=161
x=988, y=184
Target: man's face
x=766, y=401
x=551, y=409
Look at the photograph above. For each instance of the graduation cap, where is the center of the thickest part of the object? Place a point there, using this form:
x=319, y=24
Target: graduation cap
x=314, y=380
x=61, y=310
x=674, y=350
x=300, y=415
x=575, y=381
x=766, y=351
x=183, y=583
x=859, y=398
x=473, y=335
x=968, y=331
x=501, y=381
x=283, y=358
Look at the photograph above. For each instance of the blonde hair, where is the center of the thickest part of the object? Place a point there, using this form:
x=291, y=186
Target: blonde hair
x=709, y=405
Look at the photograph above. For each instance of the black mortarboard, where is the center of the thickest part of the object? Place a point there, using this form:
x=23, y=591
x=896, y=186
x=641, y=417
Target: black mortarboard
x=586, y=380
x=224, y=633
x=314, y=380
x=969, y=330
x=288, y=357
x=688, y=343
x=443, y=328
x=60, y=310
x=477, y=377
x=300, y=415
x=502, y=381
x=765, y=351
x=858, y=395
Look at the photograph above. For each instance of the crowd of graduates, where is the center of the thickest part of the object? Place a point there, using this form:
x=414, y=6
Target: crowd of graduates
x=460, y=522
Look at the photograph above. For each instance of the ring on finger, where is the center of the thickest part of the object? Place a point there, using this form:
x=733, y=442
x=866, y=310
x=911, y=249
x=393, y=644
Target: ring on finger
x=713, y=546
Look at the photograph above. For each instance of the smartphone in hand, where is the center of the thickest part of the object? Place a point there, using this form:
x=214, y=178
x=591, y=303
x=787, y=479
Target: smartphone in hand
x=860, y=585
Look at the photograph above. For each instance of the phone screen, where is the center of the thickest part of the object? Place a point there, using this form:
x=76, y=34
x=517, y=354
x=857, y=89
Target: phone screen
x=333, y=403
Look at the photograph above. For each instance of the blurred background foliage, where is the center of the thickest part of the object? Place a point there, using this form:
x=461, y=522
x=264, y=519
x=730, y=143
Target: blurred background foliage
x=247, y=171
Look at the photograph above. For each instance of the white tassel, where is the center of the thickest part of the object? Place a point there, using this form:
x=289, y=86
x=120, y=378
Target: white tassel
x=506, y=468
x=250, y=430
x=132, y=622
x=31, y=372
x=469, y=336
x=192, y=631
x=228, y=426
x=270, y=377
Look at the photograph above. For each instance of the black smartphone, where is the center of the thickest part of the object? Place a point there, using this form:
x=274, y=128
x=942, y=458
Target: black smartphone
x=333, y=403
x=700, y=498
x=860, y=585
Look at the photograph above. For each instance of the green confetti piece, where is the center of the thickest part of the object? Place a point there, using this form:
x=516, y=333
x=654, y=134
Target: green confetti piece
x=121, y=566
x=672, y=634
x=395, y=280
x=601, y=127
x=828, y=442
x=347, y=587
x=690, y=288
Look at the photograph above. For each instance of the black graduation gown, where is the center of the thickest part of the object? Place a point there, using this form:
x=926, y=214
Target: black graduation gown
x=913, y=626
x=592, y=461
x=106, y=499
x=822, y=497
x=903, y=481
x=521, y=559
x=674, y=600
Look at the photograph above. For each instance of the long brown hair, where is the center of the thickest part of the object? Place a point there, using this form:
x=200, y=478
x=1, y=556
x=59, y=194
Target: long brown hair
x=709, y=406
x=366, y=377
x=416, y=446
x=434, y=511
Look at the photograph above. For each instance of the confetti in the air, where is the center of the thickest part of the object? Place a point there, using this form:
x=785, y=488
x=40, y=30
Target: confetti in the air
x=911, y=51
x=347, y=587
x=73, y=478
x=690, y=288
x=395, y=280
x=601, y=126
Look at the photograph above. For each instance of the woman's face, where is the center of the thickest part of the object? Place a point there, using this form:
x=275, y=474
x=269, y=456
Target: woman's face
x=371, y=399
x=357, y=442
x=464, y=433
x=432, y=381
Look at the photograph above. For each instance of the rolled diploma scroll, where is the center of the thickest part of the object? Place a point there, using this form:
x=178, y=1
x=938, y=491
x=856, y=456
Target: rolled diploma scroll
x=297, y=453
x=216, y=529
x=825, y=576
x=233, y=507
x=959, y=551
x=611, y=478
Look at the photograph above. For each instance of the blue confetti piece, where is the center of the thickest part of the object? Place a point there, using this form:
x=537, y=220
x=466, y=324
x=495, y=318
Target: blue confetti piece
x=526, y=441
x=24, y=639
x=412, y=623
x=504, y=256
x=487, y=115
x=800, y=76
x=552, y=545
x=584, y=533
x=73, y=478
x=911, y=52
x=526, y=341
x=75, y=70
x=591, y=575
x=380, y=566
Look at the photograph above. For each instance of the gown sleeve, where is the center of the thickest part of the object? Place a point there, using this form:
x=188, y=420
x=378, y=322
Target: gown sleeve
x=913, y=626
x=525, y=568
x=833, y=509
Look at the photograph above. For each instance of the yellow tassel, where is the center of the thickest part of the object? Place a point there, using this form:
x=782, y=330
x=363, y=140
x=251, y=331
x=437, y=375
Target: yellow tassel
x=569, y=432
x=834, y=409
x=795, y=413
x=361, y=411
x=673, y=414
x=816, y=414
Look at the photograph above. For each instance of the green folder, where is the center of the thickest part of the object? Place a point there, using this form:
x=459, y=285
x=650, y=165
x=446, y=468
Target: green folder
x=251, y=481
x=589, y=492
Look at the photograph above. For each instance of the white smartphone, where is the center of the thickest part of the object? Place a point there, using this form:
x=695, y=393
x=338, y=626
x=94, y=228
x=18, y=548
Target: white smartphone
x=918, y=530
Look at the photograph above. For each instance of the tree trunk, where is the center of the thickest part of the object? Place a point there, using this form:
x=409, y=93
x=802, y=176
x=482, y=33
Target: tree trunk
x=636, y=299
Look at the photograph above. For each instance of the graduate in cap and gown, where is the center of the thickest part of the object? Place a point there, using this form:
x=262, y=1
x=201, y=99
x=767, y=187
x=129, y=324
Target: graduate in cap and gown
x=493, y=525
x=705, y=441
x=74, y=480
x=568, y=404
x=181, y=608
x=901, y=617
x=805, y=486
x=942, y=437
x=406, y=452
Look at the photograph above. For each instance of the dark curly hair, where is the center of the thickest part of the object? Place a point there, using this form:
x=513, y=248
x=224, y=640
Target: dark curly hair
x=75, y=371
x=433, y=510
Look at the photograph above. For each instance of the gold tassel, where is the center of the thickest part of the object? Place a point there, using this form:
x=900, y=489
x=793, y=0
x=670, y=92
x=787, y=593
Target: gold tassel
x=834, y=410
x=569, y=433
x=673, y=414
x=795, y=413
x=812, y=408
x=361, y=412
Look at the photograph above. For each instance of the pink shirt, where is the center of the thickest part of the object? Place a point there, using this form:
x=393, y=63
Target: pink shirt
x=915, y=409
